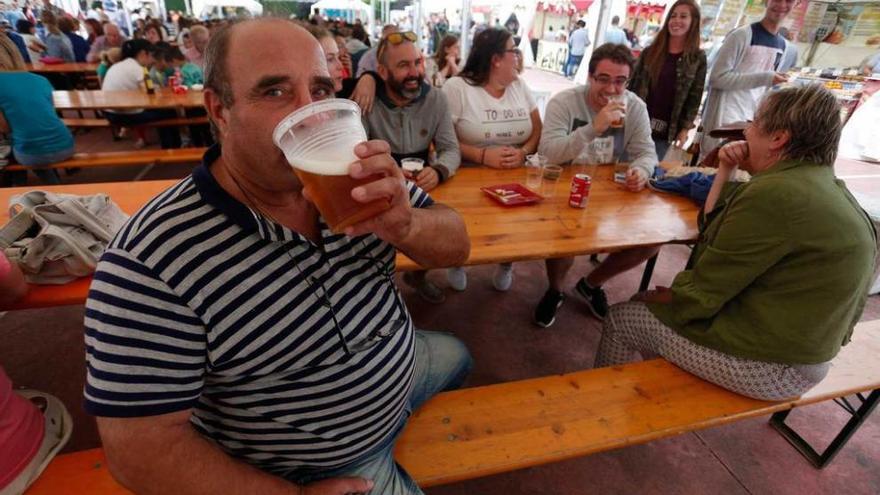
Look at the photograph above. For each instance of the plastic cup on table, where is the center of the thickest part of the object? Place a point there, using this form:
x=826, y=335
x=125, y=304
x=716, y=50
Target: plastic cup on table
x=534, y=170
x=550, y=180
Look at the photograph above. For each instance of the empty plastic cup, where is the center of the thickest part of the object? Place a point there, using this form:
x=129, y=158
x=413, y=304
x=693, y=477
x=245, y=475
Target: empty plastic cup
x=318, y=141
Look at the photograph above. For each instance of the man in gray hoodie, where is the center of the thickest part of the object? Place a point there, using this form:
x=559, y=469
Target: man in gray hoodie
x=583, y=115
x=411, y=116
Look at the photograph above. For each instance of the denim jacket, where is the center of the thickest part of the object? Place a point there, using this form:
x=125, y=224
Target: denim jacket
x=690, y=74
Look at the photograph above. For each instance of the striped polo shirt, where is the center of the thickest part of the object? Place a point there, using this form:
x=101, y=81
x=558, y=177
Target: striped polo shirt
x=202, y=303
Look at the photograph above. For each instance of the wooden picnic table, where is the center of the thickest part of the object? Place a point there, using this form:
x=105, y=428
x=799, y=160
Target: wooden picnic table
x=614, y=219
x=65, y=68
x=127, y=99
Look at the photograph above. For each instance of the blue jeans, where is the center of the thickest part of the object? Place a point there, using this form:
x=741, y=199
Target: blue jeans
x=573, y=61
x=442, y=363
x=48, y=176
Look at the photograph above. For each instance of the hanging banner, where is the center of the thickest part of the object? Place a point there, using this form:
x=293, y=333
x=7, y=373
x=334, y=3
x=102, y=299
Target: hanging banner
x=795, y=20
x=866, y=30
x=813, y=17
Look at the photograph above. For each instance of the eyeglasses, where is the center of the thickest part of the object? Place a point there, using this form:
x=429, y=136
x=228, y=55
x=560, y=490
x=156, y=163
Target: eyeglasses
x=515, y=51
x=378, y=334
x=606, y=80
x=395, y=39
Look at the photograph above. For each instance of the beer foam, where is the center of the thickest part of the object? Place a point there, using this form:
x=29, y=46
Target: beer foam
x=333, y=163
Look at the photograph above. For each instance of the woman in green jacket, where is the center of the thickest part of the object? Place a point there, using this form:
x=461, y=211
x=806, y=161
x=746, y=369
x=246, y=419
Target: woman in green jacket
x=669, y=76
x=782, y=270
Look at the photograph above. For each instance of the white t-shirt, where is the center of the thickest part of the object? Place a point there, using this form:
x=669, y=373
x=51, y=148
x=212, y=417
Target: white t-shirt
x=126, y=74
x=482, y=120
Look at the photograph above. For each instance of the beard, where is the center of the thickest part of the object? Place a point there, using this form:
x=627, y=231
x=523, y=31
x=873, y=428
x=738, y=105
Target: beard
x=400, y=88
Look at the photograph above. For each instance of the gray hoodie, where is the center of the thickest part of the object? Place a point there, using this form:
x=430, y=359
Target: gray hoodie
x=410, y=130
x=561, y=144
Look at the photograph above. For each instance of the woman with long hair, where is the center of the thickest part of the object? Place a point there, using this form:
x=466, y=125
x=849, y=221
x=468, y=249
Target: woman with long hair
x=495, y=118
x=445, y=63
x=669, y=76
x=94, y=29
x=57, y=44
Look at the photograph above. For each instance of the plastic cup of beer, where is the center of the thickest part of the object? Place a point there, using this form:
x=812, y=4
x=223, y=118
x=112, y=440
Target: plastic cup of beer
x=318, y=141
x=534, y=169
x=621, y=98
x=412, y=165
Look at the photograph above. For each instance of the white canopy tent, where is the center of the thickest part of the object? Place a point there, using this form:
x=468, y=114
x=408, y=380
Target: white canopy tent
x=252, y=6
x=350, y=9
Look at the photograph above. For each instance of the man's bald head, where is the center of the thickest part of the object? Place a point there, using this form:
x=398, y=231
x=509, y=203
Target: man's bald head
x=242, y=43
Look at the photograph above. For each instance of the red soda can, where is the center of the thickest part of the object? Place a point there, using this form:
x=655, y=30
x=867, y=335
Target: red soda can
x=580, y=191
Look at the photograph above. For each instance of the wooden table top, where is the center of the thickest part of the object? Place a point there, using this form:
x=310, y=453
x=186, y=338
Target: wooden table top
x=67, y=68
x=126, y=99
x=614, y=219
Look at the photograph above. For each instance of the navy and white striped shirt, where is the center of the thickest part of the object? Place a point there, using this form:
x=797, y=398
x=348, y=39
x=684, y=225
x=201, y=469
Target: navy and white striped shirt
x=201, y=303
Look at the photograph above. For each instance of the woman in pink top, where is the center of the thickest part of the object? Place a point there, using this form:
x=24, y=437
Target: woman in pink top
x=30, y=436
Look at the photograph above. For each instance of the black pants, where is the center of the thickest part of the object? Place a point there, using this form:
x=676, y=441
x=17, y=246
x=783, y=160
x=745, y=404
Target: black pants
x=169, y=137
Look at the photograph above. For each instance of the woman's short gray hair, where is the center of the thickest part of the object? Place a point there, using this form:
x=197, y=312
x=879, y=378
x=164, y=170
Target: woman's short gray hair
x=811, y=116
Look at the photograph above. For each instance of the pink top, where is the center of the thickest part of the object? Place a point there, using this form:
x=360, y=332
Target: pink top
x=21, y=431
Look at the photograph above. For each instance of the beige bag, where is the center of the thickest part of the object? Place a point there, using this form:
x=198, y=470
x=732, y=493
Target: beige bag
x=56, y=238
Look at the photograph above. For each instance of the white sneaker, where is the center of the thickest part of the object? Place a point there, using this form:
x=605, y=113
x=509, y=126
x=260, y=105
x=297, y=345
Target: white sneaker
x=503, y=278
x=457, y=278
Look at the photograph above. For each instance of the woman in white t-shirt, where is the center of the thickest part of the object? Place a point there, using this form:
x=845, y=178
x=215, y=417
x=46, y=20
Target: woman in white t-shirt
x=495, y=118
x=129, y=74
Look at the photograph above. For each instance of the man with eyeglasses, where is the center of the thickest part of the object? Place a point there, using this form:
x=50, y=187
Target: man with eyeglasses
x=576, y=117
x=234, y=343
x=410, y=116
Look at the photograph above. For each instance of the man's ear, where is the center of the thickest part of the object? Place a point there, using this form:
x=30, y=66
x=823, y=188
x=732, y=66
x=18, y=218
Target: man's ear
x=779, y=140
x=216, y=112
x=383, y=72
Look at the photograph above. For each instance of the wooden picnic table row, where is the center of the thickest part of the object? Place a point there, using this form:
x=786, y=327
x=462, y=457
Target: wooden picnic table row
x=126, y=99
x=614, y=219
x=63, y=68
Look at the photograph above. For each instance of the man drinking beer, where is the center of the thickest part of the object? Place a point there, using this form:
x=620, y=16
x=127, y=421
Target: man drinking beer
x=234, y=343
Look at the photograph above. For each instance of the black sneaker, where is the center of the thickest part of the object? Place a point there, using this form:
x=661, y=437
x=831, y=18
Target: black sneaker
x=545, y=313
x=595, y=298
x=426, y=290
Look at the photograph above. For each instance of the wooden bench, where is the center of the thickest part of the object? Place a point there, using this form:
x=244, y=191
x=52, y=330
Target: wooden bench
x=89, y=123
x=125, y=158
x=492, y=429
x=85, y=123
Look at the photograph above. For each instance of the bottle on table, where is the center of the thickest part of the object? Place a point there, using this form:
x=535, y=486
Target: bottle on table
x=148, y=83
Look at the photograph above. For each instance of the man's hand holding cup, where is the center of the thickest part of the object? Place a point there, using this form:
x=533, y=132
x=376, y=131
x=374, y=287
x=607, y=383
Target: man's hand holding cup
x=614, y=111
x=394, y=224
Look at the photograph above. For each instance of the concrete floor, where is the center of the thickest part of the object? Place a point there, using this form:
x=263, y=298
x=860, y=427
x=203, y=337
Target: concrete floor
x=43, y=349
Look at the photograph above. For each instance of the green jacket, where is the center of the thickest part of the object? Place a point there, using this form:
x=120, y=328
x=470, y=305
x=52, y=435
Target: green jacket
x=781, y=271
x=690, y=77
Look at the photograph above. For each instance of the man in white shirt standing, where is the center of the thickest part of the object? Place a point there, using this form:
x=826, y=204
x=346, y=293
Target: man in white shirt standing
x=750, y=61
x=614, y=34
x=577, y=46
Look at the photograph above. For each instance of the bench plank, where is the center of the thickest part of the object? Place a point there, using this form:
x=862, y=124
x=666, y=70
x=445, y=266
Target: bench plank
x=72, y=122
x=125, y=159
x=486, y=430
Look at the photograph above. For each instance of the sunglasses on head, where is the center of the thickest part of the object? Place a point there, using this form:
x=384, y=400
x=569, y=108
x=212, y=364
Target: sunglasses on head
x=396, y=39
